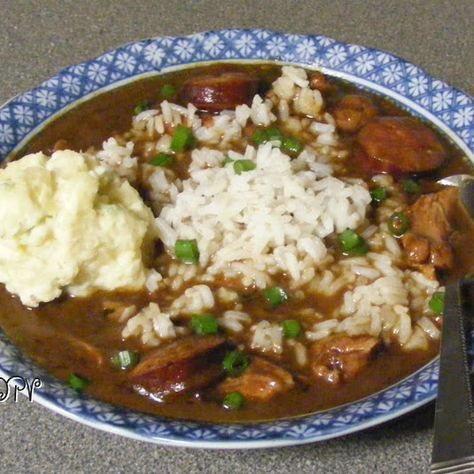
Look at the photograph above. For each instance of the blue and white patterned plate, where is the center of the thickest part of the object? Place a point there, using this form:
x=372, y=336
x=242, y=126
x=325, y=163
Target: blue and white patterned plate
x=448, y=108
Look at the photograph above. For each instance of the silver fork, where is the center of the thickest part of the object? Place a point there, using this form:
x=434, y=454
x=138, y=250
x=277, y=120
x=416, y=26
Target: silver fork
x=453, y=444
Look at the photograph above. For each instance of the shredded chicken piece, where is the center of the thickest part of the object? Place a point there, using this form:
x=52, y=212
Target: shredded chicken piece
x=342, y=357
x=261, y=381
x=431, y=219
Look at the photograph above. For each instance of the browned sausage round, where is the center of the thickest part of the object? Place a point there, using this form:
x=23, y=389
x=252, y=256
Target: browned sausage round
x=353, y=111
x=220, y=92
x=183, y=365
x=371, y=166
x=402, y=142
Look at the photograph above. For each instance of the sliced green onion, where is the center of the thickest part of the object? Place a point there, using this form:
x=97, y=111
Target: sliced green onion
x=352, y=243
x=233, y=401
x=168, y=91
x=187, y=251
x=226, y=161
x=235, y=363
x=275, y=296
x=78, y=383
x=259, y=136
x=204, y=324
x=141, y=107
x=359, y=250
x=291, y=145
x=379, y=194
x=291, y=328
x=398, y=223
x=410, y=186
x=241, y=166
x=273, y=134
x=182, y=139
x=125, y=360
x=436, y=303
x=349, y=239
x=162, y=159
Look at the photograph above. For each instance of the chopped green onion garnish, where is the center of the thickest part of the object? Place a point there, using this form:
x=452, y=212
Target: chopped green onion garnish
x=125, y=360
x=359, y=250
x=398, y=223
x=379, y=194
x=275, y=296
x=168, y=91
x=162, y=159
x=187, y=251
x=78, y=383
x=352, y=243
x=244, y=165
x=411, y=187
x=436, y=303
x=291, y=328
x=226, y=161
x=291, y=145
x=233, y=401
x=235, y=363
x=183, y=138
x=259, y=136
x=204, y=324
x=349, y=239
x=141, y=107
x=273, y=134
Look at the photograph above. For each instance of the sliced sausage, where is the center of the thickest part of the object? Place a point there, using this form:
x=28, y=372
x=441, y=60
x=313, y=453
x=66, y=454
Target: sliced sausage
x=341, y=358
x=261, y=381
x=353, y=111
x=370, y=166
x=402, y=142
x=184, y=365
x=220, y=92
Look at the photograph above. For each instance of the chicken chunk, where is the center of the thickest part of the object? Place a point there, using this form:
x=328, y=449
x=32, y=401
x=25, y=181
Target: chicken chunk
x=318, y=81
x=261, y=381
x=441, y=255
x=184, y=365
x=417, y=247
x=341, y=358
x=432, y=214
x=353, y=111
x=82, y=351
x=431, y=219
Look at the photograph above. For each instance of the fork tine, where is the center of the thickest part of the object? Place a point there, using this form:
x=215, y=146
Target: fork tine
x=454, y=180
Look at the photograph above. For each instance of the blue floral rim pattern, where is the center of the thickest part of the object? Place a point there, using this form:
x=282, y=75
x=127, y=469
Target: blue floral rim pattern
x=372, y=68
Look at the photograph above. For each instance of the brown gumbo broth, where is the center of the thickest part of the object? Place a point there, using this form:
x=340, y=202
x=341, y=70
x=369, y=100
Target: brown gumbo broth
x=76, y=335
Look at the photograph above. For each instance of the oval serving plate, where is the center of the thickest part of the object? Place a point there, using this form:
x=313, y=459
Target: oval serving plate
x=449, y=109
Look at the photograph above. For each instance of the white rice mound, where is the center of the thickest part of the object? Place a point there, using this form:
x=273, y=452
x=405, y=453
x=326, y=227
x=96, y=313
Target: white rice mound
x=269, y=221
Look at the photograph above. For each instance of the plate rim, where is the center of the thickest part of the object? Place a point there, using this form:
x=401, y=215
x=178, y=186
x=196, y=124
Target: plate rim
x=50, y=402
